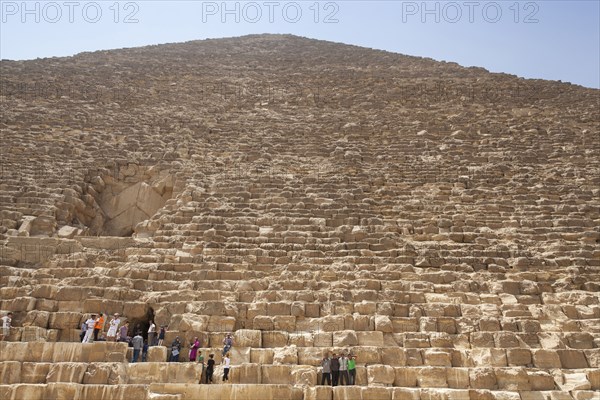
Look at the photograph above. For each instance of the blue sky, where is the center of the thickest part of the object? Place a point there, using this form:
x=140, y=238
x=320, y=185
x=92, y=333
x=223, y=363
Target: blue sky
x=556, y=40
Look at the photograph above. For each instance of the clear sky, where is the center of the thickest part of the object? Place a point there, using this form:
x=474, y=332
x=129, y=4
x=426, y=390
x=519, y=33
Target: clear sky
x=557, y=40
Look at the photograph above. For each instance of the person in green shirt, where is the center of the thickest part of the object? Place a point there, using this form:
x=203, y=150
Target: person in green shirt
x=352, y=369
x=201, y=361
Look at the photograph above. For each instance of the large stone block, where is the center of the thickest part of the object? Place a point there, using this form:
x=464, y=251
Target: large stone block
x=66, y=372
x=34, y=372
x=261, y=356
x=248, y=338
x=10, y=372
x=345, y=338
x=276, y=374
x=285, y=355
x=572, y=359
x=432, y=377
x=380, y=375
x=546, y=359
x=304, y=375
x=246, y=373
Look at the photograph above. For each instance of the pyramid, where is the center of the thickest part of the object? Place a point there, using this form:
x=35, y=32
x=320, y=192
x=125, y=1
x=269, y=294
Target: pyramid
x=440, y=223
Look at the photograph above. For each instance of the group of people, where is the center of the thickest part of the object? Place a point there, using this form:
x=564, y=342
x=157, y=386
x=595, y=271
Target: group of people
x=339, y=370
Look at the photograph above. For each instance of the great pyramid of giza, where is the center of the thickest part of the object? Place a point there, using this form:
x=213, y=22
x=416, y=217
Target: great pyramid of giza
x=439, y=223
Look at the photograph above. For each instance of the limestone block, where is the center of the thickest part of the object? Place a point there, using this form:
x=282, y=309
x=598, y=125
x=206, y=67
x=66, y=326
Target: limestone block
x=36, y=318
x=585, y=395
x=284, y=323
x=278, y=309
x=323, y=339
x=113, y=392
x=489, y=357
x=483, y=378
x=312, y=310
x=157, y=354
x=516, y=357
x=301, y=339
x=297, y=309
x=135, y=310
x=345, y=338
x=10, y=372
x=27, y=391
x=546, y=359
x=347, y=393
x=34, y=372
x=593, y=357
x=239, y=355
x=318, y=393
x=274, y=339
x=263, y=322
x=311, y=355
x=383, y=323
x=405, y=377
x=276, y=374
x=405, y=394
x=246, y=373
x=541, y=380
x=363, y=323
x=64, y=320
x=414, y=357
x=572, y=359
x=512, y=379
x=262, y=356
x=405, y=324
x=105, y=373
x=66, y=372
x=575, y=381
x=393, y=356
x=594, y=378
x=285, y=355
x=458, y=378
x=437, y=358
x=376, y=393
x=365, y=355
x=248, y=338
x=432, y=377
x=304, y=375
x=380, y=375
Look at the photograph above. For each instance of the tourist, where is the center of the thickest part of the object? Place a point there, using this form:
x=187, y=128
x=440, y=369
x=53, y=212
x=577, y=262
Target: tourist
x=335, y=370
x=6, y=321
x=352, y=369
x=326, y=364
x=227, y=342
x=138, y=344
x=161, y=335
x=227, y=362
x=123, y=331
x=175, y=349
x=201, y=362
x=113, y=326
x=98, y=326
x=194, y=349
x=210, y=367
x=344, y=378
x=145, y=351
x=151, y=333
x=89, y=333
x=83, y=331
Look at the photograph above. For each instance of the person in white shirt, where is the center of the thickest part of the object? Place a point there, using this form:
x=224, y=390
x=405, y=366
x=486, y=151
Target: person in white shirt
x=113, y=326
x=227, y=362
x=6, y=321
x=151, y=333
x=89, y=334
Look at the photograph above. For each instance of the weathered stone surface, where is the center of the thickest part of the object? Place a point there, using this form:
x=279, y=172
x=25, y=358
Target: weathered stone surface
x=448, y=240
